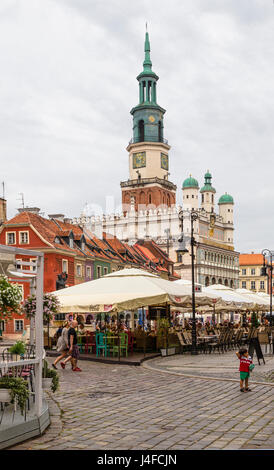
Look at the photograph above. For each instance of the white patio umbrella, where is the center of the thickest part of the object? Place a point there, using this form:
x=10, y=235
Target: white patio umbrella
x=127, y=289
x=255, y=298
x=233, y=299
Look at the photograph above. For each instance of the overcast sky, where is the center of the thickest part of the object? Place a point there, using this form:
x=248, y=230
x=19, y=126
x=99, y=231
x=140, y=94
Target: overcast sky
x=68, y=82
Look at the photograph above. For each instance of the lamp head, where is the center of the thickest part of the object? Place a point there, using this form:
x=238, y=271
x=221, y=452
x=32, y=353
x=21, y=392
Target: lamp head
x=182, y=246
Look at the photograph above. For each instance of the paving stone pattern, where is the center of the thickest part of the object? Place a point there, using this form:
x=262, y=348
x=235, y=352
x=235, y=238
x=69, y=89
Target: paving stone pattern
x=127, y=407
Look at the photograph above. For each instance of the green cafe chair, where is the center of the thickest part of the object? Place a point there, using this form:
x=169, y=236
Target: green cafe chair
x=101, y=344
x=80, y=343
x=123, y=345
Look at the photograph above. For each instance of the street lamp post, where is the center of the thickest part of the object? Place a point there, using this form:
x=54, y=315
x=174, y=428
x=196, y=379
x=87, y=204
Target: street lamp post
x=264, y=272
x=167, y=231
x=270, y=276
x=193, y=216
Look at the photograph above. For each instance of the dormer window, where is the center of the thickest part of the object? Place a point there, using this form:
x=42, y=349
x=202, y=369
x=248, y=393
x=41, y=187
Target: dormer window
x=23, y=238
x=10, y=238
x=57, y=240
x=71, y=241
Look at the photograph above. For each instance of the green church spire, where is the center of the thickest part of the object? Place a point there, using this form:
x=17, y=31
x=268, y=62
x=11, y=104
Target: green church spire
x=147, y=62
x=147, y=115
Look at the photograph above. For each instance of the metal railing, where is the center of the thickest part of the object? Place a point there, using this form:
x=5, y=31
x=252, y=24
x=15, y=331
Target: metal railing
x=135, y=140
x=142, y=181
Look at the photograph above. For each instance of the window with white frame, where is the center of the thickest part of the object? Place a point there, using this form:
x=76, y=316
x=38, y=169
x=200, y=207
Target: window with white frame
x=10, y=238
x=33, y=268
x=79, y=270
x=23, y=238
x=253, y=285
x=261, y=284
x=18, y=325
x=65, y=266
x=244, y=272
x=18, y=264
x=89, y=272
x=105, y=271
x=98, y=271
x=253, y=271
x=244, y=284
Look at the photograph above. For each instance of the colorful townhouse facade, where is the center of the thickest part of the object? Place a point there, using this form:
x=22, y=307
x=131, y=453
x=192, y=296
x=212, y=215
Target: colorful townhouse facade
x=251, y=278
x=73, y=254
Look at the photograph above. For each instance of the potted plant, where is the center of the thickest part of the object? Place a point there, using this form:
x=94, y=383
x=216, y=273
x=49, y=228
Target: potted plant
x=50, y=378
x=162, y=334
x=51, y=307
x=15, y=390
x=18, y=349
x=10, y=298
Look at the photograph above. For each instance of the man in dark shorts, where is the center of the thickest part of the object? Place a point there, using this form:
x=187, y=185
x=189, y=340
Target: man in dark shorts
x=73, y=348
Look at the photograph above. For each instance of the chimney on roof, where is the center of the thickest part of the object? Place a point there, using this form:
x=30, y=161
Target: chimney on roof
x=3, y=210
x=59, y=217
x=67, y=220
x=33, y=210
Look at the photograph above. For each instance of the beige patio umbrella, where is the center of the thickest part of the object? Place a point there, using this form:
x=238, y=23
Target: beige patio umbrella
x=259, y=302
x=127, y=289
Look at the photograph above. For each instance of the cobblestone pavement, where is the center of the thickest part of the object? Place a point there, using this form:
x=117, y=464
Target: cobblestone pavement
x=127, y=407
x=214, y=365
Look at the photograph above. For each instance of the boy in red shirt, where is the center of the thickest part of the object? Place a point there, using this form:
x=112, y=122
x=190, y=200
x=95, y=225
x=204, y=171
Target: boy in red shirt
x=245, y=361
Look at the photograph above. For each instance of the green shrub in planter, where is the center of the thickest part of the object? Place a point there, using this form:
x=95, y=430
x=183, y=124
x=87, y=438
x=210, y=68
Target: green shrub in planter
x=51, y=374
x=18, y=388
x=18, y=348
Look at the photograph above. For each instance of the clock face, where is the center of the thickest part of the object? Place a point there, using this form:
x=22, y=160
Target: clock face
x=164, y=161
x=139, y=160
x=151, y=118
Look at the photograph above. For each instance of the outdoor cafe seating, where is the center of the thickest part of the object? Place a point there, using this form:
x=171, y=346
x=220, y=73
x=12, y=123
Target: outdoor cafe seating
x=106, y=343
x=210, y=338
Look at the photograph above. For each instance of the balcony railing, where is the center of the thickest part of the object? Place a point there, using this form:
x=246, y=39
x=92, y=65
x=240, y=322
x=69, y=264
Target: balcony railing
x=135, y=140
x=143, y=181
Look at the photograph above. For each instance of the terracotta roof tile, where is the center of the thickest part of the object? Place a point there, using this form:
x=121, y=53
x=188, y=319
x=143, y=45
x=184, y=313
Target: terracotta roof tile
x=251, y=259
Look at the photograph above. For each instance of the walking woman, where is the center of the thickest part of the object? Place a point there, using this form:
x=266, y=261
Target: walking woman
x=62, y=344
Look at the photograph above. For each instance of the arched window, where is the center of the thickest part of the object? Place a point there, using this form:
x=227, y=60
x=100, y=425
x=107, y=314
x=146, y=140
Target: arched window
x=207, y=281
x=141, y=131
x=149, y=198
x=213, y=280
x=226, y=282
x=202, y=198
x=231, y=284
x=212, y=198
x=168, y=200
x=220, y=281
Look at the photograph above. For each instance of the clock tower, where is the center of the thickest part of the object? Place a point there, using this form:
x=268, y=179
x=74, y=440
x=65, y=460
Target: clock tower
x=148, y=185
